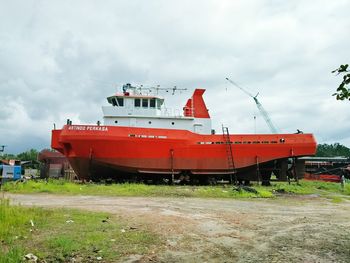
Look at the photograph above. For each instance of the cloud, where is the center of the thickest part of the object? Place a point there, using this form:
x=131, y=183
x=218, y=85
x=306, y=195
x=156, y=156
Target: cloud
x=61, y=59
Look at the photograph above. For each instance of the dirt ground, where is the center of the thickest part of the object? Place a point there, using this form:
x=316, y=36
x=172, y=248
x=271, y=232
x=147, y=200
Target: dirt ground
x=284, y=229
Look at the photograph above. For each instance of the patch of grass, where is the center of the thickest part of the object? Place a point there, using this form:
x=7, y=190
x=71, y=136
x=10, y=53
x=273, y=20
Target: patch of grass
x=65, y=187
x=63, y=246
x=310, y=187
x=11, y=254
x=346, y=189
x=336, y=199
x=265, y=193
x=61, y=234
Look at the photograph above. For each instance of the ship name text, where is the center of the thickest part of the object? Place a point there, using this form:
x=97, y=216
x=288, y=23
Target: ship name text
x=88, y=128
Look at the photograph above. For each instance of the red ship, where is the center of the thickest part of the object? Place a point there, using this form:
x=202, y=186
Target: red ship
x=141, y=139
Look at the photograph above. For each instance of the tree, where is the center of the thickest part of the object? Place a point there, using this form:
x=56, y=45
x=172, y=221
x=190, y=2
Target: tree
x=8, y=156
x=343, y=92
x=332, y=150
x=30, y=155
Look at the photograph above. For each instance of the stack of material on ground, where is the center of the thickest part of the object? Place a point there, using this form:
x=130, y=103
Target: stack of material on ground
x=55, y=165
x=29, y=169
x=30, y=173
x=329, y=169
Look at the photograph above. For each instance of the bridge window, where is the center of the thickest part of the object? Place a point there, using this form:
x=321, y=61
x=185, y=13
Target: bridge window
x=144, y=103
x=137, y=103
x=120, y=102
x=152, y=103
x=158, y=104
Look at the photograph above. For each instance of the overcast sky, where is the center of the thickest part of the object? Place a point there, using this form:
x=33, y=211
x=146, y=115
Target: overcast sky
x=61, y=59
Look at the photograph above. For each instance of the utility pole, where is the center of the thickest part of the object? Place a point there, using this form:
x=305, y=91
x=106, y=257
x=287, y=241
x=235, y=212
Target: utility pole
x=254, y=124
x=2, y=149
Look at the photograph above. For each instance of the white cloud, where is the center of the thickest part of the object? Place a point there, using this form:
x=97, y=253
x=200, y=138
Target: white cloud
x=60, y=59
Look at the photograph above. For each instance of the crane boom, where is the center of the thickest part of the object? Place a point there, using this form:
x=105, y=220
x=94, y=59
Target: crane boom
x=258, y=105
x=265, y=115
x=235, y=84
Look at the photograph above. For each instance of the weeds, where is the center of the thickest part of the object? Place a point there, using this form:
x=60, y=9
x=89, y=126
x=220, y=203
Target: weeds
x=58, y=235
x=64, y=187
x=311, y=187
x=336, y=199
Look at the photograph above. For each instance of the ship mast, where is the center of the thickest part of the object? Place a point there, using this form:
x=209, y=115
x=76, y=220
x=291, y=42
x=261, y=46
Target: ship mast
x=155, y=89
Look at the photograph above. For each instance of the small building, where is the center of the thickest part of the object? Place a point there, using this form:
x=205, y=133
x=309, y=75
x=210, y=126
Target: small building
x=55, y=165
x=9, y=172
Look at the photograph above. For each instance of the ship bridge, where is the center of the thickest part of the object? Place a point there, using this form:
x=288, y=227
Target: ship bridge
x=147, y=111
x=133, y=105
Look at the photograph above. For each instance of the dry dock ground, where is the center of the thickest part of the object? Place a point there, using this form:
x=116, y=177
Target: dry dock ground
x=283, y=229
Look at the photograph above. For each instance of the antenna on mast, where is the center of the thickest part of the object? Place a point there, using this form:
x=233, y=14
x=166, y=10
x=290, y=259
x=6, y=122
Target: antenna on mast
x=155, y=89
x=174, y=89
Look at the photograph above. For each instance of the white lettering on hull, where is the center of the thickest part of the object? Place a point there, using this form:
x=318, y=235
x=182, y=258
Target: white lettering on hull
x=148, y=136
x=88, y=128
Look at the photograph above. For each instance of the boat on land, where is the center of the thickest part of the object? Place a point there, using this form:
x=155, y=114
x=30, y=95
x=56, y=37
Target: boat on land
x=141, y=140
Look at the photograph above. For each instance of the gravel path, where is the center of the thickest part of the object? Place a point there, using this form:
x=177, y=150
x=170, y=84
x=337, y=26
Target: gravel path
x=285, y=229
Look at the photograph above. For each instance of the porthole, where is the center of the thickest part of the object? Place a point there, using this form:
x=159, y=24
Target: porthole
x=115, y=121
x=172, y=123
x=149, y=122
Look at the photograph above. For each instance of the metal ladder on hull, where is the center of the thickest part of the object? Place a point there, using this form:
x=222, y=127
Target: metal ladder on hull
x=230, y=160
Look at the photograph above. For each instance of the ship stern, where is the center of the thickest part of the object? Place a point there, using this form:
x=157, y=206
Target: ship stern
x=55, y=141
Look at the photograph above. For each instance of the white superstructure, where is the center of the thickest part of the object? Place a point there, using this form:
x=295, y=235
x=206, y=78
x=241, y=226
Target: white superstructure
x=136, y=110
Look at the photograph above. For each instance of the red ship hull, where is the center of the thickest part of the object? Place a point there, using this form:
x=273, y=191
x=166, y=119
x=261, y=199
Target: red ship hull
x=111, y=152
